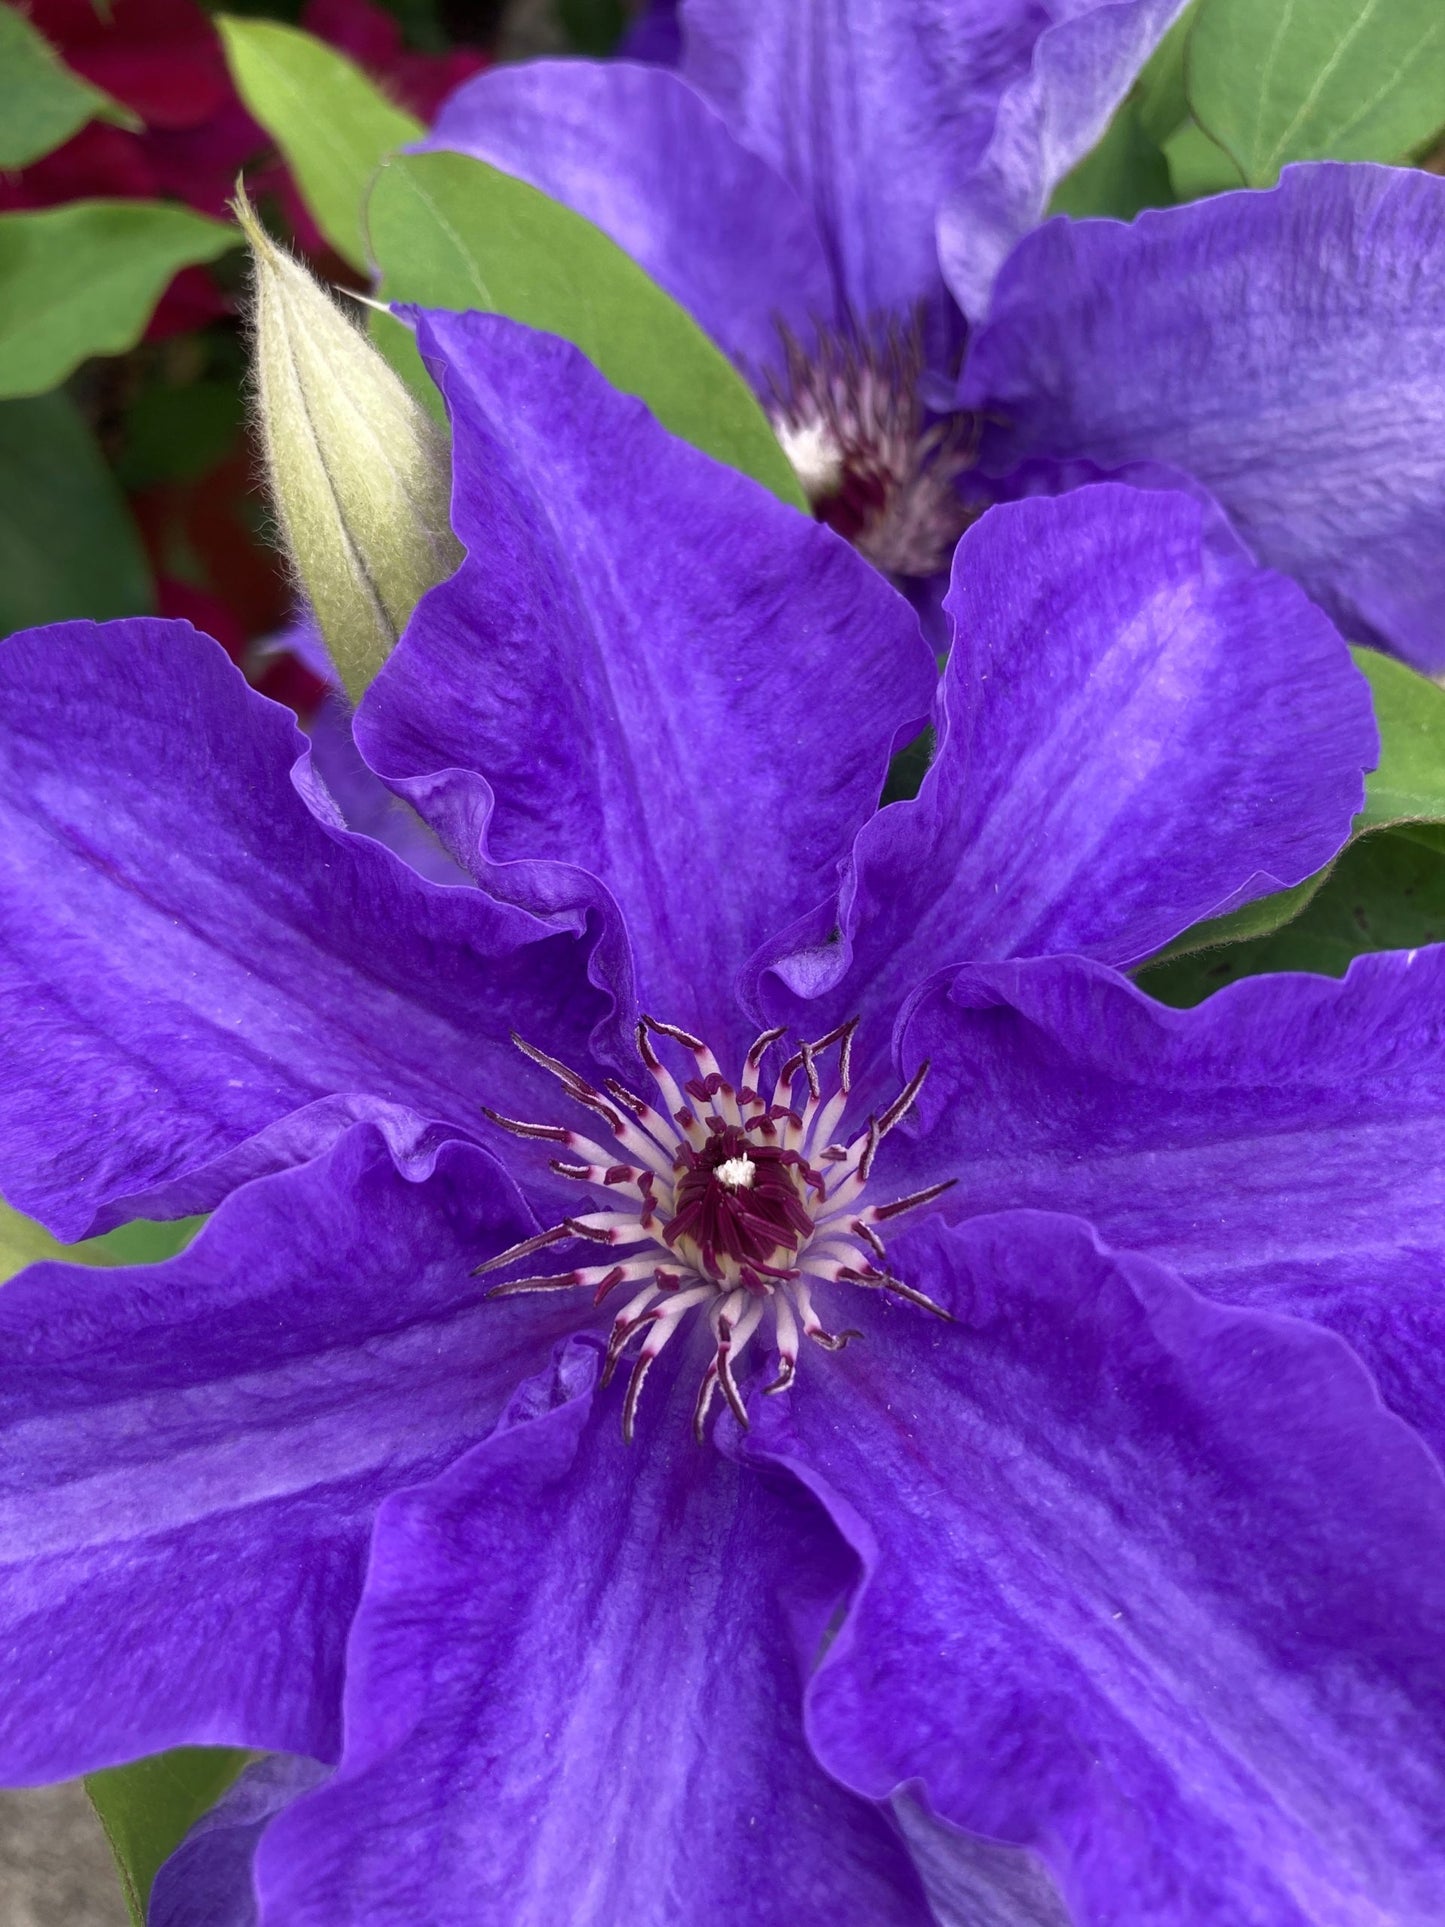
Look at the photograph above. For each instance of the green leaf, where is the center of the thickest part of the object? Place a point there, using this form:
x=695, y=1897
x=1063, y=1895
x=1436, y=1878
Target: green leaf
x=451, y=232
x=332, y=124
x=42, y=103
x=1255, y=919
x=1197, y=165
x=142, y=1242
x=592, y=26
x=1288, y=80
x=83, y=279
x=1385, y=892
x=397, y=342
x=1127, y=171
x=1430, y=835
x=148, y=1808
x=1409, y=785
x=179, y=434
x=68, y=546
x=1163, y=103
x=23, y=1242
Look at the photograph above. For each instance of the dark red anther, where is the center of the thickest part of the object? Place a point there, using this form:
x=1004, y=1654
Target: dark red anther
x=913, y=1200
x=525, y=1248
x=904, y=1100
x=644, y=1047
x=592, y=1231
x=553, y=1133
x=702, y=1088
x=638, y=1106
x=609, y=1283
x=744, y=1222
x=678, y=1036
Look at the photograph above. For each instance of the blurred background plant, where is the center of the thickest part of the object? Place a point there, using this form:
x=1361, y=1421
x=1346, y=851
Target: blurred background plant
x=128, y=479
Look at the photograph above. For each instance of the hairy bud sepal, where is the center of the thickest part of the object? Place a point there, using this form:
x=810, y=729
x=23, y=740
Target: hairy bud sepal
x=360, y=474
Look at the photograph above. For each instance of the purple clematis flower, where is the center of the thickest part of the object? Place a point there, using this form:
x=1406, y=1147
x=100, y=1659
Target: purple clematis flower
x=838, y=191
x=1092, y=1580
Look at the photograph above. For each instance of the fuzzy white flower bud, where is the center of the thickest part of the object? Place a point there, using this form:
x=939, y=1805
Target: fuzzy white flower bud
x=360, y=474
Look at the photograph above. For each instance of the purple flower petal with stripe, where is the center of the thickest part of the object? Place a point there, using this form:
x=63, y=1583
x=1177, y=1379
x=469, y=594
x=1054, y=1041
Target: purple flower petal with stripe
x=787, y=184
x=841, y=190
x=1285, y=348
x=1118, y=1549
x=615, y=1437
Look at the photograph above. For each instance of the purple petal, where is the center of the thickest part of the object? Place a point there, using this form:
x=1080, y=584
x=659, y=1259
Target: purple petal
x=364, y=802
x=885, y=115
x=1153, y=1587
x=574, y=1695
x=1285, y=347
x=655, y=33
x=1120, y=727
x=642, y=155
x=195, y=1452
x=973, y=1882
x=1282, y=1145
x=872, y=110
x=187, y=955
x=1047, y=120
x=349, y=793
x=301, y=638
x=647, y=671
x=207, y=1882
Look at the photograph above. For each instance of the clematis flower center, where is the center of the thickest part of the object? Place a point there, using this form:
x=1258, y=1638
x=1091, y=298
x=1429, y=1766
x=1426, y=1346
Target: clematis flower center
x=874, y=463
x=735, y=1203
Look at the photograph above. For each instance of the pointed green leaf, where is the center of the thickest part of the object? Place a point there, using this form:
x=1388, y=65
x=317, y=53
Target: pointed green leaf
x=148, y=1808
x=1124, y=173
x=397, y=342
x=68, y=546
x=1163, y=103
x=451, y=232
x=42, y=103
x=1197, y=165
x=593, y=26
x=1409, y=785
x=145, y=1242
x=1288, y=80
x=84, y=279
x=1386, y=891
x=23, y=1242
x=1127, y=170
x=1257, y=919
x=332, y=124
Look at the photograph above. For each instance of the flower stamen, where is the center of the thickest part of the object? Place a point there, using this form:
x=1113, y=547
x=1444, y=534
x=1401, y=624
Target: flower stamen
x=872, y=462
x=723, y=1201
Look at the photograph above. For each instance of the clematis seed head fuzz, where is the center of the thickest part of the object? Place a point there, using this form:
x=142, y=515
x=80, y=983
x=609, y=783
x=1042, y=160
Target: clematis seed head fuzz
x=360, y=474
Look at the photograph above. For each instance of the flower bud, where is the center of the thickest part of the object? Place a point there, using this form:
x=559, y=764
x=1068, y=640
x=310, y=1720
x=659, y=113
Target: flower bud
x=360, y=473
